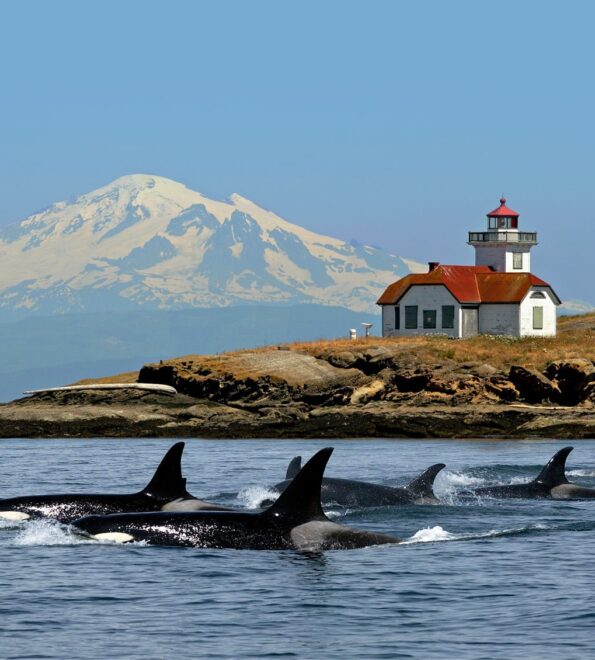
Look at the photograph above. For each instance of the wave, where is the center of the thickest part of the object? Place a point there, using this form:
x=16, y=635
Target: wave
x=580, y=473
x=438, y=533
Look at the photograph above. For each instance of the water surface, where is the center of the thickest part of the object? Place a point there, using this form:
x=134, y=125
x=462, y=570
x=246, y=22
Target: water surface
x=474, y=579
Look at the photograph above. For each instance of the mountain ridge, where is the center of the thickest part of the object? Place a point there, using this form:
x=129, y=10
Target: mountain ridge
x=145, y=241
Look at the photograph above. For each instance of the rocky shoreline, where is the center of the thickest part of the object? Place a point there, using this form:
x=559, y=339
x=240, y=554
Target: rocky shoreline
x=370, y=390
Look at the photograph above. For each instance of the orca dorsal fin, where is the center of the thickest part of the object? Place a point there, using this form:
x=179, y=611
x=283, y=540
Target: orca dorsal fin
x=167, y=482
x=554, y=473
x=423, y=484
x=295, y=465
x=300, y=501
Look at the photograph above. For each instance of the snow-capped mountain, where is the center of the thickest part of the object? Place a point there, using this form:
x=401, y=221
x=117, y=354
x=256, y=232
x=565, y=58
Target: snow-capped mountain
x=149, y=242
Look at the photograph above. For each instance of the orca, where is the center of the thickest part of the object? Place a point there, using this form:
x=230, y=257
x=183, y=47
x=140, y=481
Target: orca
x=166, y=490
x=351, y=493
x=295, y=521
x=551, y=482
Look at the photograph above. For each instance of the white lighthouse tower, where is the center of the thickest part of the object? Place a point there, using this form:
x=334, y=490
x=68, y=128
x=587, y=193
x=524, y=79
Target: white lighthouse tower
x=503, y=247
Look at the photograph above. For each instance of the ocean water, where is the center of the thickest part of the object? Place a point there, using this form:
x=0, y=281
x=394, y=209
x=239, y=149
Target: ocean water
x=473, y=579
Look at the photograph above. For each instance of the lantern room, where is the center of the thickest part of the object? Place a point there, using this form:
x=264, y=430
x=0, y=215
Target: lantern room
x=503, y=248
x=503, y=217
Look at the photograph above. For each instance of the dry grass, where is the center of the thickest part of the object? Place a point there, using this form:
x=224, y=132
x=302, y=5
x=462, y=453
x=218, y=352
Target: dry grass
x=575, y=339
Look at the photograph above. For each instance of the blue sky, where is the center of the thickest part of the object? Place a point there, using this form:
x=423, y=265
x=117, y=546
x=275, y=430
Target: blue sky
x=395, y=123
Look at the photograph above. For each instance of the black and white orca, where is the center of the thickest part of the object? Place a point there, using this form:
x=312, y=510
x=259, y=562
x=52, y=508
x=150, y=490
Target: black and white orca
x=295, y=521
x=352, y=493
x=550, y=483
x=165, y=491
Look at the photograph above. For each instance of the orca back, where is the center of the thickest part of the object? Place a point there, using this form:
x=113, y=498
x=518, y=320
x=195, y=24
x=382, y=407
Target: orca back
x=423, y=485
x=295, y=465
x=300, y=501
x=554, y=473
x=167, y=482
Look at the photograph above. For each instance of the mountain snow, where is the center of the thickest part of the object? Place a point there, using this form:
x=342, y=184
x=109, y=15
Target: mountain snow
x=149, y=242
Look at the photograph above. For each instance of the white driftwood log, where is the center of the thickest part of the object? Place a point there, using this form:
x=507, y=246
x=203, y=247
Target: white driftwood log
x=150, y=387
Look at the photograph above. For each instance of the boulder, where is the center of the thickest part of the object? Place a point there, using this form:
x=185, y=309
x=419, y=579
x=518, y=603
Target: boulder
x=343, y=359
x=532, y=385
x=574, y=378
x=484, y=370
x=502, y=388
x=412, y=381
x=378, y=354
x=367, y=392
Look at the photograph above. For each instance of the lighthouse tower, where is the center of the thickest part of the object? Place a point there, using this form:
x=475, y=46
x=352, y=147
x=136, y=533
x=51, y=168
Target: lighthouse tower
x=503, y=247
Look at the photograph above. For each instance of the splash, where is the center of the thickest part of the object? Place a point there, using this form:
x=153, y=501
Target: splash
x=255, y=497
x=450, y=483
x=11, y=524
x=453, y=485
x=48, y=532
x=461, y=480
x=436, y=534
x=431, y=534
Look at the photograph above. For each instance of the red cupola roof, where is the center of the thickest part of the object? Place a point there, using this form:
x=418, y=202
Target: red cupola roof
x=503, y=210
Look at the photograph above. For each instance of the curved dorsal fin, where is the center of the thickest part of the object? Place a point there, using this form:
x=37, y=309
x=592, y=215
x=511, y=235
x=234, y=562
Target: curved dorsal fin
x=167, y=482
x=423, y=484
x=553, y=474
x=300, y=501
x=295, y=465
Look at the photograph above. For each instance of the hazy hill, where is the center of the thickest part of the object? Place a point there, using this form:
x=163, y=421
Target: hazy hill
x=40, y=352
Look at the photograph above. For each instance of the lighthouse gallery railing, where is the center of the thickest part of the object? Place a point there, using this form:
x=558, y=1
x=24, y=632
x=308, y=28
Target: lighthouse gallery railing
x=503, y=236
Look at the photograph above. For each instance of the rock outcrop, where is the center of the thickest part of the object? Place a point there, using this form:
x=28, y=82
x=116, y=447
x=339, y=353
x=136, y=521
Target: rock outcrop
x=371, y=390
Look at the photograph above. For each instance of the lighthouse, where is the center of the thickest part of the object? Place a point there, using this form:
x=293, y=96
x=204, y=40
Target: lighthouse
x=497, y=296
x=503, y=247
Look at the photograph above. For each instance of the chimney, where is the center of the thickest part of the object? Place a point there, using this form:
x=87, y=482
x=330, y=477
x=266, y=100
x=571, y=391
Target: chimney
x=432, y=265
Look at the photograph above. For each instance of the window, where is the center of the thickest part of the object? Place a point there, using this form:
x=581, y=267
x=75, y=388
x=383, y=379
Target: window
x=429, y=316
x=493, y=223
x=448, y=316
x=410, y=317
x=538, y=318
x=538, y=294
x=517, y=260
x=397, y=318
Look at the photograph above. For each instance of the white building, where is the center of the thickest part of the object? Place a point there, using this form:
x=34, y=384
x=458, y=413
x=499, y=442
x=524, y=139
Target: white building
x=499, y=295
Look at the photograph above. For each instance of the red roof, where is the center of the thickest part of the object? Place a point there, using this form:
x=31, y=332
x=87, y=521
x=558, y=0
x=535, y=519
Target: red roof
x=503, y=210
x=468, y=284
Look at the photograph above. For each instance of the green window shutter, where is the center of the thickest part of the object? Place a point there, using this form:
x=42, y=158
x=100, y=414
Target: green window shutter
x=410, y=317
x=538, y=318
x=448, y=316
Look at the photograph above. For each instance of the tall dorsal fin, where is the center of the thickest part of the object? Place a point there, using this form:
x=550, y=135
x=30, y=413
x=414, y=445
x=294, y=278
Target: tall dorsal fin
x=300, y=501
x=167, y=482
x=295, y=465
x=553, y=474
x=423, y=485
